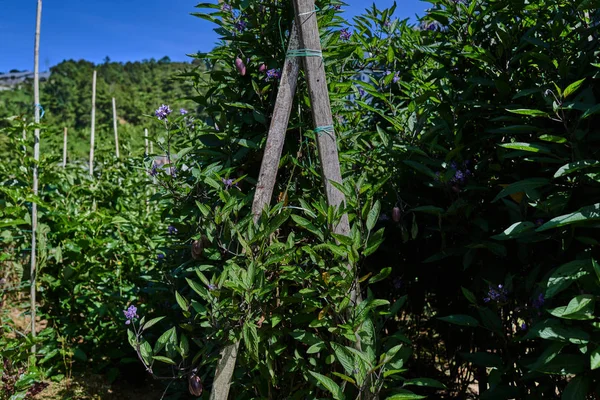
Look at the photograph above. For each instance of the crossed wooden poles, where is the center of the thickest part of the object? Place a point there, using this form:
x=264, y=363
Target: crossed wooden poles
x=304, y=42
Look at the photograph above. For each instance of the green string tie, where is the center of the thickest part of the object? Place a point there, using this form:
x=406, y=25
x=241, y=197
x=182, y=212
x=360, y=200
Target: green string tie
x=304, y=53
x=317, y=9
x=326, y=128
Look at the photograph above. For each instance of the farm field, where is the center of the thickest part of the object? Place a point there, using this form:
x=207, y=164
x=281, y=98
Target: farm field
x=322, y=206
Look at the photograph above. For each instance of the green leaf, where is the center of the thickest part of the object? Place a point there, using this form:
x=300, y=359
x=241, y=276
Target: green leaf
x=565, y=275
x=164, y=339
x=577, y=389
x=515, y=230
x=373, y=215
x=591, y=111
x=572, y=88
x=329, y=384
x=531, y=113
x=580, y=307
x=402, y=394
x=575, y=166
x=553, y=139
x=552, y=329
x=584, y=214
x=421, y=168
x=460, y=319
x=469, y=295
x=521, y=186
x=530, y=147
x=151, y=322
x=547, y=355
x=251, y=339
x=384, y=273
x=595, y=359
x=426, y=382
x=164, y=359
x=344, y=357
x=183, y=304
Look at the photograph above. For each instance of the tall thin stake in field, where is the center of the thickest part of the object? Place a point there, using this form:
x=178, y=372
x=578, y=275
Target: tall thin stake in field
x=36, y=157
x=146, y=140
x=93, y=125
x=115, y=126
x=65, y=147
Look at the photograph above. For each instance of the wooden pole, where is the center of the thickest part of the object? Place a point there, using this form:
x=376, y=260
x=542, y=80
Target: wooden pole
x=264, y=191
x=93, y=125
x=146, y=140
x=115, y=127
x=314, y=68
x=64, y=147
x=36, y=157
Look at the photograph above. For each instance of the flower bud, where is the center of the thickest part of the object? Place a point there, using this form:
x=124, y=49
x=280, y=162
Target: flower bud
x=195, y=385
x=262, y=68
x=197, y=247
x=396, y=214
x=241, y=67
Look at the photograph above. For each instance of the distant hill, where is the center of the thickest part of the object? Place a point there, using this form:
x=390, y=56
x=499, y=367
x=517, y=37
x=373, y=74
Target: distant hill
x=12, y=79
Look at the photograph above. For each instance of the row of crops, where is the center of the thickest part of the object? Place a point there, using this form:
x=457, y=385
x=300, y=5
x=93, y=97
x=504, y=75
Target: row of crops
x=469, y=149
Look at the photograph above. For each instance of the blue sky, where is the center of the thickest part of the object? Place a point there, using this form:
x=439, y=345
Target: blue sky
x=124, y=30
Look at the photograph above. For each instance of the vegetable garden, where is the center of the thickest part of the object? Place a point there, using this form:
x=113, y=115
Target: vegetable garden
x=469, y=153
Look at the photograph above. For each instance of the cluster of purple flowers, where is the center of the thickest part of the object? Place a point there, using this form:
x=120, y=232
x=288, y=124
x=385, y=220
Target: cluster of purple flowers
x=273, y=74
x=162, y=112
x=160, y=256
x=345, y=34
x=211, y=286
x=226, y=7
x=337, y=7
x=498, y=294
x=240, y=25
x=460, y=175
x=539, y=301
x=183, y=111
x=172, y=230
x=130, y=314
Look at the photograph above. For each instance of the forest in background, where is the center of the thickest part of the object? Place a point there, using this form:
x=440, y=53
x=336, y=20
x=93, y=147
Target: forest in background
x=66, y=98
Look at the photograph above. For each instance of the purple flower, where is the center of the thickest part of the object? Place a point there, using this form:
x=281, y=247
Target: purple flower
x=162, y=112
x=226, y=7
x=539, y=301
x=396, y=77
x=523, y=326
x=387, y=23
x=361, y=91
x=240, y=25
x=337, y=7
x=130, y=314
x=498, y=294
x=183, y=111
x=172, y=230
x=160, y=256
x=153, y=171
x=211, y=286
x=273, y=74
x=345, y=34
x=228, y=183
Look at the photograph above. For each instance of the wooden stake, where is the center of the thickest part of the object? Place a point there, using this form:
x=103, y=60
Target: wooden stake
x=36, y=157
x=93, y=125
x=146, y=140
x=65, y=147
x=115, y=126
x=264, y=191
x=151, y=147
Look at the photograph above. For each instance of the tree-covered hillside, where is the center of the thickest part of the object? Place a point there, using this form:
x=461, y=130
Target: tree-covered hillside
x=138, y=87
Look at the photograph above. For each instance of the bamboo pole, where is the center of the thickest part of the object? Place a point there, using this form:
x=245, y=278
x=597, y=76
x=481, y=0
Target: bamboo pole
x=64, y=147
x=92, y=136
x=36, y=157
x=146, y=140
x=151, y=147
x=115, y=127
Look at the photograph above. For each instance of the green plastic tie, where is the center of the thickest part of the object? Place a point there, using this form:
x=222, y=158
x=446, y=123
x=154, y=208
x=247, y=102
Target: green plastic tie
x=304, y=53
x=326, y=128
x=317, y=9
